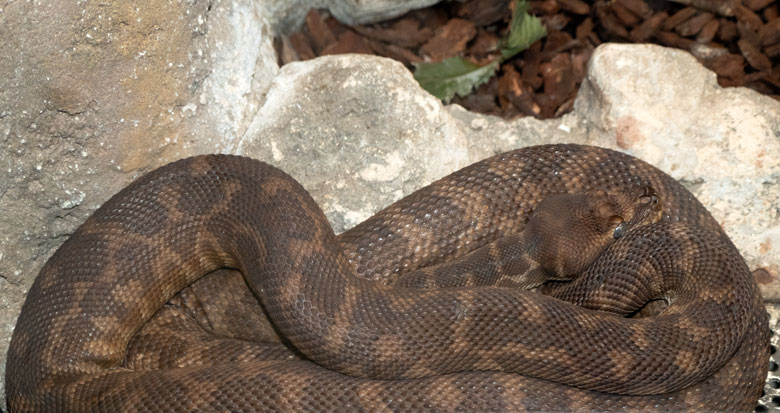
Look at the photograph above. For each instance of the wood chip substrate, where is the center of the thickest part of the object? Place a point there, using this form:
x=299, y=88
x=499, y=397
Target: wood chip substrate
x=737, y=39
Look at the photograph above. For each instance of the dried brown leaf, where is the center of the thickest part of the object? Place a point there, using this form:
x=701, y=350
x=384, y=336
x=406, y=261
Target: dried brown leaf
x=708, y=32
x=721, y=7
x=772, y=12
x=393, y=51
x=693, y=25
x=677, y=18
x=584, y=29
x=773, y=51
x=747, y=16
x=610, y=23
x=575, y=6
x=729, y=65
x=320, y=35
x=449, y=40
x=674, y=40
x=284, y=50
x=623, y=14
x=754, y=56
x=348, y=42
x=648, y=27
x=302, y=46
x=406, y=32
x=531, y=60
x=543, y=7
x=769, y=33
x=727, y=31
x=483, y=12
x=638, y=7
x=756, y=4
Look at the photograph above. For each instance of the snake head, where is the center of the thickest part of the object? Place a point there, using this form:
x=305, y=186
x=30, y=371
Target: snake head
x=569, y=231
x=629, y=209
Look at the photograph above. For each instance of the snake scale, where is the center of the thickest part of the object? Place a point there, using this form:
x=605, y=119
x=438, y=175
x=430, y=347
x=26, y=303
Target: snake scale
x=146, y=307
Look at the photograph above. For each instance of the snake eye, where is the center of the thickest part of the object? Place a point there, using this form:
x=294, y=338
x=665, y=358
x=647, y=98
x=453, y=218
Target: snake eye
x=648, y=199
x=620, y=230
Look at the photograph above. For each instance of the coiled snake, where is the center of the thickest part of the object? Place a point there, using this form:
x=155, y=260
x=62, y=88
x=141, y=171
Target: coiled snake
x=122, y=318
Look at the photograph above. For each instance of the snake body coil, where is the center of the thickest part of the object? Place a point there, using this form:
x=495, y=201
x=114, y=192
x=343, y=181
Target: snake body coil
x=122, y=317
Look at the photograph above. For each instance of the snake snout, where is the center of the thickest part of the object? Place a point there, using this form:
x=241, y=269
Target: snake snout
x=647, y=208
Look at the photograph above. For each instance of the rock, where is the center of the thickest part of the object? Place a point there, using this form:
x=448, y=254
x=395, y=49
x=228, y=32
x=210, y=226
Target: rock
x=362, y=11
x=286, y=15
x=239, y=46
x=356, y=131
x=92, y=95
x=99, y=94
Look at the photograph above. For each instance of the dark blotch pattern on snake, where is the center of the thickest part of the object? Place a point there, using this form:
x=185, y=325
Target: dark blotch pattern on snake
x=136, y=311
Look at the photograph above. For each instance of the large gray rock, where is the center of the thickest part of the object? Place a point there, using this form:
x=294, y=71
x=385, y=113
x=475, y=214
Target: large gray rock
x=367, y=11
x=94, y=93
x=286, y=15
x=356, y=131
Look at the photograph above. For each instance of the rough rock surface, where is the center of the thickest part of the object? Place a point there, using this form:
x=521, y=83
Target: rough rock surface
x=98, y=93
x=285, y=15
x=357, y=132
x=94, y=93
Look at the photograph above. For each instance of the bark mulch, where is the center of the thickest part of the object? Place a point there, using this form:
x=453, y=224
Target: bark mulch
x=738, y=39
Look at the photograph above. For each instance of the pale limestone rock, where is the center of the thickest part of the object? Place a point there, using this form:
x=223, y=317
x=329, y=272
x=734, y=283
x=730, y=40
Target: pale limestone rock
x=356, y=131
x=286, y=15
x=94, y=94
x=367, y=11
x=243, y=65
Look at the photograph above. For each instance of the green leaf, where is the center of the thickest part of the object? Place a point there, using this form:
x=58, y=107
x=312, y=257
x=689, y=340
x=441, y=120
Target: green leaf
x=461, y=76
x=454, y=75
x=524, y=30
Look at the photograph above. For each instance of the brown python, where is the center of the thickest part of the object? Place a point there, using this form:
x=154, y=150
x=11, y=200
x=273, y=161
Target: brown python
x=130, y=314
